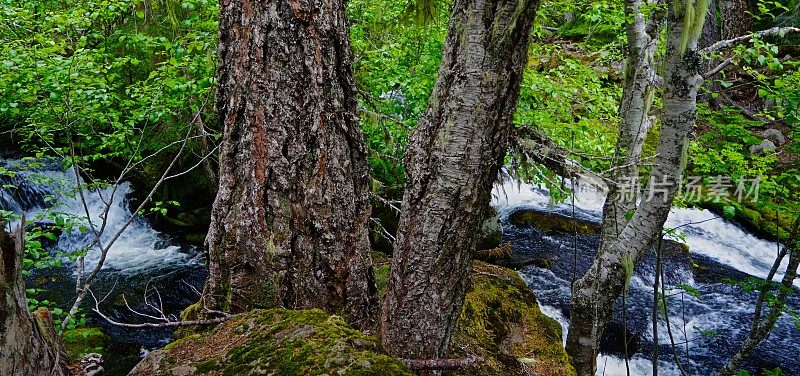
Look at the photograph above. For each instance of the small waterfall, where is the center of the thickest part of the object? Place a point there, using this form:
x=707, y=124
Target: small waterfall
x=141, y=262
x=43, y=190
x=707, y=328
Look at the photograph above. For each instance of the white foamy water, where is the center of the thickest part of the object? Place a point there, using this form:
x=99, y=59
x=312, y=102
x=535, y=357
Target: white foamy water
x=719, y=308
x=703, y=231
x=53, y=192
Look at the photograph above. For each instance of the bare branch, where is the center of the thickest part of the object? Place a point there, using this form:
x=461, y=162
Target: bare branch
x=723, y=44
x=441, y=364
x=718, y=68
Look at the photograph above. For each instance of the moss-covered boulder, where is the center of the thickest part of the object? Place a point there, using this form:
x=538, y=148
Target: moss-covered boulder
x=501, y=321
x=274, y=342
x=552, y=223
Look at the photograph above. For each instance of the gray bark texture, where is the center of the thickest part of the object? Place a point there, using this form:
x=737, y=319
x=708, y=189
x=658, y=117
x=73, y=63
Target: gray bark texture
x=638, y=92
x=28, y=343
x=289, y=223
x=454, y=156
x=594, y=294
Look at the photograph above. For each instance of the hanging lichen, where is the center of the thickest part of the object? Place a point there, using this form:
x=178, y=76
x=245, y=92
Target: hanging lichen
x=694, y=16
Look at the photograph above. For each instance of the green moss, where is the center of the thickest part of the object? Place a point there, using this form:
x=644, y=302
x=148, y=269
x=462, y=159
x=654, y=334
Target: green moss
x=81, y=341
x=280, y=341
x=552, y=223
x=501, y=321
x=382, y=278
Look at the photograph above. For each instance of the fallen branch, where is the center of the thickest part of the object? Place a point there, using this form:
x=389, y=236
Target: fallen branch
x=166, y=322
x=539, y=148
x=723, y=44
x=718, y=68
x=746, y=112
x=441, y=364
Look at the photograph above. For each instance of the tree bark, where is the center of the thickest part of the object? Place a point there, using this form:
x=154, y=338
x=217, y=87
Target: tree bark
x=594, y=294
x=289, y=223
x=28, y=345
x=453, y=158
x=638, y=92
x=736, y=18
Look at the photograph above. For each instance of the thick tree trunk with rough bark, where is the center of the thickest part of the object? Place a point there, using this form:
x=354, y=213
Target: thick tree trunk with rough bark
x=28, y=345
x=594, y=294
x=289, y=224
x=454, y=155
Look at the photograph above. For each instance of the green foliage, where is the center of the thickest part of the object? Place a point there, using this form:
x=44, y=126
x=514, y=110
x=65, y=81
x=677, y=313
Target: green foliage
x=395, y=67
x=570, y=102
x=106, y=75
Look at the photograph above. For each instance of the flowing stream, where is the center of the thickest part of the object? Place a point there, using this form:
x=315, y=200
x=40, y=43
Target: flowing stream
x=141, y=262
x=706, y=328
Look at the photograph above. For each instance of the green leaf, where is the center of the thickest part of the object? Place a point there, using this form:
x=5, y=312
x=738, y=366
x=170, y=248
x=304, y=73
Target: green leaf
x=729, y=211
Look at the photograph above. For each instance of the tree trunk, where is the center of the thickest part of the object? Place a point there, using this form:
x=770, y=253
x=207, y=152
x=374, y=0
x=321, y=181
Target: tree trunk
x=638, y=92
x=289, y=224
x=453, y=158
x=593, y=295
x=736, y=18
x=28, y=345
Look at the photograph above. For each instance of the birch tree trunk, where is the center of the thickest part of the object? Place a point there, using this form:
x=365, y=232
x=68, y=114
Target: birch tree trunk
x=28, y=345
x=637, y=98
x=289, y=224
x=453, y=158
x=594, y=294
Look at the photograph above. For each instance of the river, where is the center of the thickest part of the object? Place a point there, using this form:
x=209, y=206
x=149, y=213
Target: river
x=707, y=328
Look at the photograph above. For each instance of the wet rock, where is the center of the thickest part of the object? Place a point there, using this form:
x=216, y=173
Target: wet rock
x=501, y=321
x=491, y=235
x=552, y=223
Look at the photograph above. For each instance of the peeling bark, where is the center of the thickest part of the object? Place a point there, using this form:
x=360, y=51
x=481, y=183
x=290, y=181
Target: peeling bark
x=453, y=158
x=289, y=223
x=594, y=294
x=28, y=344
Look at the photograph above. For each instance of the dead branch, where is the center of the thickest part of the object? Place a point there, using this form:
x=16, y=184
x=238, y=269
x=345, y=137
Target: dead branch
x=441, y=364
x=723, y=44
x=161, y=317
x=718, y=68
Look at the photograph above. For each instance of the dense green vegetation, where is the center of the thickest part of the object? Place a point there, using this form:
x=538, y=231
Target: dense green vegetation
x=118, y=85
x=95, y=80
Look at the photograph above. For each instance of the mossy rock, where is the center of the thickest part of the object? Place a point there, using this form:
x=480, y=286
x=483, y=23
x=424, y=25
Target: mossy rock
x=763, y=220
x=501, y=321
x=277, y=342
x=552, y=223
x=81, y=341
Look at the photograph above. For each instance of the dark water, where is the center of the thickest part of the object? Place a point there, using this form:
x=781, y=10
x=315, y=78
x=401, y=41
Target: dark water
x=144, y=262
x=707, y=329
x=145, y=271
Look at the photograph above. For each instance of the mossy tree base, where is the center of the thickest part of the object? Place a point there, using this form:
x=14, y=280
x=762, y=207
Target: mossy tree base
x=276, y=341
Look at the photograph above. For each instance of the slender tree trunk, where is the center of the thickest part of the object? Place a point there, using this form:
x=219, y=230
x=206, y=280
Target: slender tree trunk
x=453, y=158
x=594, y=294
x=638, y=92
x=289, y=224
x=28, y=345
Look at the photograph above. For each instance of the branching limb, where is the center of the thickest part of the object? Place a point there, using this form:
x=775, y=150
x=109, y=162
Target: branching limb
x=724, y=44
x=762, y=327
